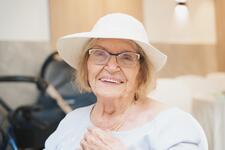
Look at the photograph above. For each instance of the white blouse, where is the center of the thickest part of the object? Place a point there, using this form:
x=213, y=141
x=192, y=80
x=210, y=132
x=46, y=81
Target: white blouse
x=172, y=129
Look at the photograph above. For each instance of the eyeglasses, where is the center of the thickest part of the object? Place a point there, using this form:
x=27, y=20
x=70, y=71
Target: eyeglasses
x=124, y=59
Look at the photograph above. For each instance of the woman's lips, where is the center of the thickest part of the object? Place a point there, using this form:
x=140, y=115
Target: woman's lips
x=111, y=80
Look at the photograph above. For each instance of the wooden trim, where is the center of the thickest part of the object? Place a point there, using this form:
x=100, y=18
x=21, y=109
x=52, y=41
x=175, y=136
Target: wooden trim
x=220, y=25
x=188, y=59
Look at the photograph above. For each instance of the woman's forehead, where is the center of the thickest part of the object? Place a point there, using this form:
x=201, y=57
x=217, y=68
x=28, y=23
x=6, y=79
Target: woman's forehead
x=116, y=44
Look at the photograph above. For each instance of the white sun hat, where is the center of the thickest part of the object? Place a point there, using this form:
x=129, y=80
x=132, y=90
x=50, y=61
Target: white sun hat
x=114, y=25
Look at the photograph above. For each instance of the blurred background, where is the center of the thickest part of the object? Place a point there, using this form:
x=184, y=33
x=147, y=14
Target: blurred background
x=190, y=32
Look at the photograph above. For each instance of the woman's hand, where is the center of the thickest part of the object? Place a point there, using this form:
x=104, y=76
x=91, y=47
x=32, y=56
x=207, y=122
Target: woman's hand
x=97, y=139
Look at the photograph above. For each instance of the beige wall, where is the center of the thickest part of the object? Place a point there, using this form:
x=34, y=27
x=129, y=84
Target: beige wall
x=191, y=46
x=164, y=26
x=24, y=20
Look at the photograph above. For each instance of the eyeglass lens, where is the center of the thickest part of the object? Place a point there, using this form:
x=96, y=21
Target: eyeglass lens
x=124, y=59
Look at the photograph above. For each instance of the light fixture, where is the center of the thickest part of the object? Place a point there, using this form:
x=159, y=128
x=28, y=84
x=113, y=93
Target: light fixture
x=181, y=1
x=181, y=11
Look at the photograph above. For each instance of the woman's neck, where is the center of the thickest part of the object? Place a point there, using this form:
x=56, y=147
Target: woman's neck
x=112, y=107
x=111, y=114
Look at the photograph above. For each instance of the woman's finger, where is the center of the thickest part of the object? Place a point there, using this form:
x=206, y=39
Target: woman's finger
x=99, y=134
x=90, y=138
x=92, y=141
x=83, y=144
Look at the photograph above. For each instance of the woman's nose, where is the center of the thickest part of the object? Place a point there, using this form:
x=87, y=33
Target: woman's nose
x=112, y=64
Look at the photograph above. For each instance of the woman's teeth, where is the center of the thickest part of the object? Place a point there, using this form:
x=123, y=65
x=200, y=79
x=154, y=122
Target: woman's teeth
x=111, y=80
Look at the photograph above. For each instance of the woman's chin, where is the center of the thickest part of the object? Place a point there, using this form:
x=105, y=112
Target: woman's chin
x=110, y=93
x=110, y=90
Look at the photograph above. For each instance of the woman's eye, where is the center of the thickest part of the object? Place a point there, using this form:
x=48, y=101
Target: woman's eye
x=100, y=53
x=127, y=57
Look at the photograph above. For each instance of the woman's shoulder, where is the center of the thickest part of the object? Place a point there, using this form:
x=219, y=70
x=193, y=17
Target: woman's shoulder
x=79, y=112
x=73, y=122
x=164, y=118
x=173, y=126
x=176, y=118
x=172, y=117
x=80, y=115
x=168, y=114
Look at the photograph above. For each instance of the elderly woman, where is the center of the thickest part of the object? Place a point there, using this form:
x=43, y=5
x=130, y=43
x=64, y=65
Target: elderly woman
x=116, y=63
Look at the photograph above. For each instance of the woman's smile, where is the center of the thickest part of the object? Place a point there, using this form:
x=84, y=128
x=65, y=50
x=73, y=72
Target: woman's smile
x=111, y=83
x=111, y=80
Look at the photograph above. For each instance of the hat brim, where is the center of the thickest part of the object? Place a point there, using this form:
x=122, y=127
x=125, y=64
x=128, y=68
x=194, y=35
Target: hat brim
x=71, y=46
